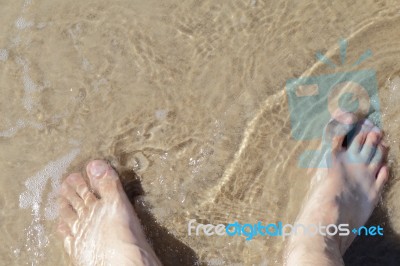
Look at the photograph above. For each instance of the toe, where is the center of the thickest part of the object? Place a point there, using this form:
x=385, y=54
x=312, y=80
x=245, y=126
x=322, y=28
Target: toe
x=64, y=229
x=67, y=213
x=103, y=178
x=338, y=128
x=360, y=136
x=72, y=197
x=378, y=158
x=78, y=184
x=370, y=145
x=382, y=177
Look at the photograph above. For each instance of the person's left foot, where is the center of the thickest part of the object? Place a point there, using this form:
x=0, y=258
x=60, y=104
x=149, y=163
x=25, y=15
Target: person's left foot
x=102, y=229
x=344, y=193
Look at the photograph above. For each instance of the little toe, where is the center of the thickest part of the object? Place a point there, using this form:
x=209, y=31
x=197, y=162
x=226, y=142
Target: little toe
x=67, y=213
x=72, y=197
x=382, y=177
x=78, y=184
x=371, y=144
x=103, y=178
x=360, y=136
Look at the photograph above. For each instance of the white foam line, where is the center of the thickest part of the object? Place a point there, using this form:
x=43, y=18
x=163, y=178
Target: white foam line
x=3, y=55
x=29, y=85
x=22, y=23
x=13, y=130
x=32, y=197
x=35, y=184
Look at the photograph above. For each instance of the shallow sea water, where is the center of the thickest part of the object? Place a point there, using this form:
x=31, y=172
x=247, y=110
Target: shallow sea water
x=187, y=100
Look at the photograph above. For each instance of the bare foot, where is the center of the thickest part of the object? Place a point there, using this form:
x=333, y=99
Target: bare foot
x=101, y=230
x=345, y=193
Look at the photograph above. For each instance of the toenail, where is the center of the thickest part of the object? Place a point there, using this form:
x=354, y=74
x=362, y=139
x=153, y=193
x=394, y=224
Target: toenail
x=98, y=168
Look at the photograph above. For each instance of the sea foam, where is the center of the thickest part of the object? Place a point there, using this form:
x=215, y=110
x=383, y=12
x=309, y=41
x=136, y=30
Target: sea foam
x=33, y=198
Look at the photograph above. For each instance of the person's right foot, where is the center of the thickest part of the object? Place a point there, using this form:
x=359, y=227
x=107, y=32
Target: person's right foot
x=344, y=193
x=104, y=230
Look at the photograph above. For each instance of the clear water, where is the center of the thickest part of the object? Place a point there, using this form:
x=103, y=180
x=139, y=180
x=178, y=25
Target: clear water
x=191, y=96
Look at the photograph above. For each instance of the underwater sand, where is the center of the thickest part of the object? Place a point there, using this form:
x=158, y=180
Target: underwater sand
x=187, y=100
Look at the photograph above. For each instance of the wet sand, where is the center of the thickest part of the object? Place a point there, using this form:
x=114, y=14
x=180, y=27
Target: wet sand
x=187, y=100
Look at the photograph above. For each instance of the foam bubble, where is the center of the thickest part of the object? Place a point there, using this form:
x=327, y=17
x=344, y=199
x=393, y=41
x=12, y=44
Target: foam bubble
x=27, y=103
x=35, y=184
x=22, y=23
x=16, y=41
x=35, y=125
x=13, y=130
x=32, y=197
x=3, y=55
x=27, y=3
x=29, y=85
x=19, y=125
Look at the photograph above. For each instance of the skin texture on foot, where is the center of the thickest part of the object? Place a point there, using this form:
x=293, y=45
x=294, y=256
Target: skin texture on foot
x=98, y=223
x=344, y=193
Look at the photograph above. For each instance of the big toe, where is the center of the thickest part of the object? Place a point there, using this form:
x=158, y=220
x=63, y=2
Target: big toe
x=103, y=178
x=338, y=128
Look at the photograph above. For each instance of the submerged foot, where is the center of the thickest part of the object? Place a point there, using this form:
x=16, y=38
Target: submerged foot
x=344, y=193
x=102, y=229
